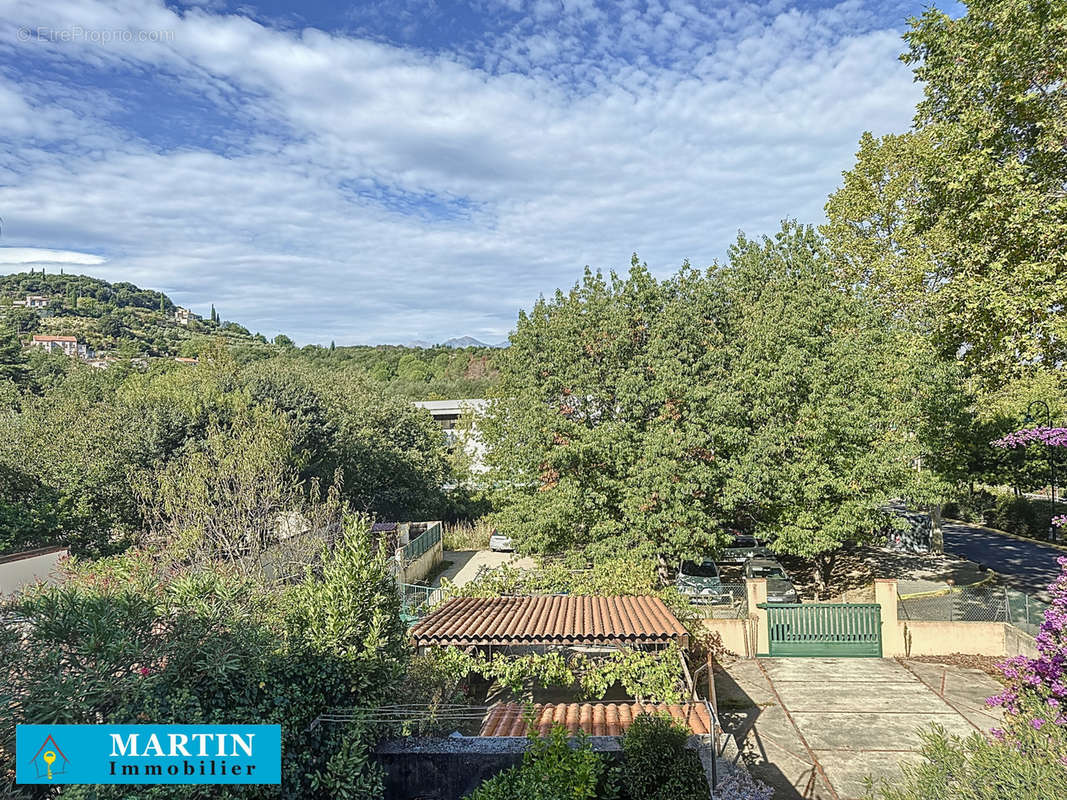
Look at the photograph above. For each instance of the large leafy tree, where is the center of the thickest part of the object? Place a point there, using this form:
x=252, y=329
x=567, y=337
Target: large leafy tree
x=610, y=427
x=834, y=398
x=963, y=221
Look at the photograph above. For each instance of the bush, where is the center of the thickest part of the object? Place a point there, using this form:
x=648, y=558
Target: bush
x=137, y=638
x=553, y=769
x=658, y=765
x=1015, y=515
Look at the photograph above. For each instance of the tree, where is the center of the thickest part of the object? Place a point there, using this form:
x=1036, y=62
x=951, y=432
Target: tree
x=281, y=340
x=974, y=198
x=832, y=396
x=609, y=429
x=149, y=636
x=12, y=359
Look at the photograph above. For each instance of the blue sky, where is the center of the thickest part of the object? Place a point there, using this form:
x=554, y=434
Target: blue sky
x=388, y=171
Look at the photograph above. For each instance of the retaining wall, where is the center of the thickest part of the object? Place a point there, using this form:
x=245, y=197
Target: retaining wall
x=22, y=569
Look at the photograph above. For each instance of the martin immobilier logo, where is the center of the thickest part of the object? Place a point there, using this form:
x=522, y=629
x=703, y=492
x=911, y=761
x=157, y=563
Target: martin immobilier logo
x=147, y=754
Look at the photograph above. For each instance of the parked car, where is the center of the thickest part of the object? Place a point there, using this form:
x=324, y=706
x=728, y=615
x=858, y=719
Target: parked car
x=500, y=543
x=742, y=549
x=700, y=582
x=779, y=588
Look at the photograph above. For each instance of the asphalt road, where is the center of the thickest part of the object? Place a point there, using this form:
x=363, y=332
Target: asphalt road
x=1025, y=565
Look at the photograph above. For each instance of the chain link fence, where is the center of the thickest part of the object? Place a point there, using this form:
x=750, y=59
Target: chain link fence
x=730, y=602
x=978, y=604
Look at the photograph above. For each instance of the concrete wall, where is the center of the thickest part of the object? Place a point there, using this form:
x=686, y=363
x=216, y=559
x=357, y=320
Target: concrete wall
x=930, y=638
x=734, y=634
x=1018, y=643
x=748, y=637
x=23, y=569
x=424, y=564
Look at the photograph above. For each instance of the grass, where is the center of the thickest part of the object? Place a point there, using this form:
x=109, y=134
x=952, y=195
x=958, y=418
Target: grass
x=467, y=535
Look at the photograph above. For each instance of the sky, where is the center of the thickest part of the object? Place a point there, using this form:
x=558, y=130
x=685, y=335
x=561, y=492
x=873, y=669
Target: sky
x=388, y=171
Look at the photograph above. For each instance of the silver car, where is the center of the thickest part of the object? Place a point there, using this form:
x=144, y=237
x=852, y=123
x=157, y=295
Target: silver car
x=500, y=543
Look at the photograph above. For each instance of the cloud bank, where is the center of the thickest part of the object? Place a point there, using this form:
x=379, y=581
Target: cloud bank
x=370, y=180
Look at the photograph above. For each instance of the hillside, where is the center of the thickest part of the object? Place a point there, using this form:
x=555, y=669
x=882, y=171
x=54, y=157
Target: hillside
x=117, y=319
x=124, y=321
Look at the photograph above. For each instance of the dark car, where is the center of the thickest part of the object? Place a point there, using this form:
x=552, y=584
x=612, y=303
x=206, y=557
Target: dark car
x=742, y=549
x=779, y=588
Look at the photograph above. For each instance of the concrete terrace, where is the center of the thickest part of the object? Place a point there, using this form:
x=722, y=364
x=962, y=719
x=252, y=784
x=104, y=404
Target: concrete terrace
x=816, y=727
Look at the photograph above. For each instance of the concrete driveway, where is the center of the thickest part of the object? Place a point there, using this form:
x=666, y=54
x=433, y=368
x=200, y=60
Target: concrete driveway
x=816, y=727
x=1028, y=566
x=466, y=564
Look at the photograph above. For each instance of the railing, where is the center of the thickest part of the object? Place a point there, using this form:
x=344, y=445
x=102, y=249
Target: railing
x=978, y=604
x=422, y=543
x=417, y=601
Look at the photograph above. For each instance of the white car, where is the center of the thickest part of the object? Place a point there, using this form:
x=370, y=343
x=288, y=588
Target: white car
x=499, y=543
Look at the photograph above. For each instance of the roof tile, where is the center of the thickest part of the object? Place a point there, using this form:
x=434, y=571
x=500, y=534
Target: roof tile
x=550, y=620
x=596, y=719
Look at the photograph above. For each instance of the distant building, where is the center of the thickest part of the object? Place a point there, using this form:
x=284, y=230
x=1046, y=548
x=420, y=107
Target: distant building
x=183, y=360
x=67, y=345
x=448, y=413
x=34, y=301
x=184, y=316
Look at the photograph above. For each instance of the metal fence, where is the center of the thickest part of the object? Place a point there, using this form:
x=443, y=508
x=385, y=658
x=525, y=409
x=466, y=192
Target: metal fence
x=730, y=603
x=417, y=601
x=978, y=604
x=422, y=543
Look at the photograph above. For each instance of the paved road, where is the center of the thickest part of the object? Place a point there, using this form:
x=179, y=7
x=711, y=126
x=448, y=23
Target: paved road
x=1025, y=565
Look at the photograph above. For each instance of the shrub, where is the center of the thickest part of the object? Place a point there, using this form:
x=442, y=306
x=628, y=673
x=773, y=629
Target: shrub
x=553, y=769
x=1015, y=515
x=658, y=765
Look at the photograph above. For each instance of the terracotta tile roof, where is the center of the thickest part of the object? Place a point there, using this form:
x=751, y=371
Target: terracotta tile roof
x=596, y=719
x=549, y=620
x=39, y=338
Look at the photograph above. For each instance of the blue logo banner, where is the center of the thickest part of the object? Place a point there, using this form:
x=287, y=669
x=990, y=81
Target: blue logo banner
x=148, y=754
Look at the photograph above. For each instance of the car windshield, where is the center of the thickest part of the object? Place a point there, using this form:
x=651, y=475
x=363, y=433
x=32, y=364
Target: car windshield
x=761, y=571
x=744, y=541
x=703, y=569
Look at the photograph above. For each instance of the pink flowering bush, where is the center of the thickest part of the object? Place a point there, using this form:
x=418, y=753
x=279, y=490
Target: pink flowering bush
x=1052, y=437
x=1036, y=697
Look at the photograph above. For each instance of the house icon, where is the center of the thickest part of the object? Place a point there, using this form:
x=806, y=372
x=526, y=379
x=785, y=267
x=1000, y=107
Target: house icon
x=49, y=759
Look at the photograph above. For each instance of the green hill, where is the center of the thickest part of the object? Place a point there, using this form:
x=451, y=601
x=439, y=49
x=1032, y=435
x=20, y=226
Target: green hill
x=126, y=321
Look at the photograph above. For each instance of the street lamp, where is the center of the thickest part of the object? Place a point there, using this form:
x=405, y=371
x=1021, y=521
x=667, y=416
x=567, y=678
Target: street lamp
x=1051, y=460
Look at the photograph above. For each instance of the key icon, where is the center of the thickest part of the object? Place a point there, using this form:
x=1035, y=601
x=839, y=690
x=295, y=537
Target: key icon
x=49, y=757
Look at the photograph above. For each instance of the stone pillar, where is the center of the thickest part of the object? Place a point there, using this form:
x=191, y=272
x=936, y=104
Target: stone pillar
x=756, y=589
x=885, y=594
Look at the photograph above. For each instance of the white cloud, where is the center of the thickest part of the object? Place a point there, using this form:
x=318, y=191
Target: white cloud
x=386, y=192
x=19, y=256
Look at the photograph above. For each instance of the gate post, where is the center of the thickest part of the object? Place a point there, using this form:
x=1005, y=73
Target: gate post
x=885, y=595
x=756, y=589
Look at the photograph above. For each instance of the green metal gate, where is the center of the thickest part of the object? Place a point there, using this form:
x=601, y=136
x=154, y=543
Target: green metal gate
x=824, y=629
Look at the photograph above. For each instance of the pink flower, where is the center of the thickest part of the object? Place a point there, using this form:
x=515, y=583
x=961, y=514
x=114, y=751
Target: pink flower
x=1037, y=722
x=144, y=671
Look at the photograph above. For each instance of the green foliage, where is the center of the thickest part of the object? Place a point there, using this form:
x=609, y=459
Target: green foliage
x=651, y=676
x=641, y=417
x=113, y=451
x=141, y=638
x=836, y=400
x=657, y=764
x=610, y=424
x=553, y=768
x=978, y=768
x=962, y=223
